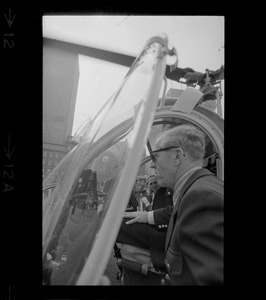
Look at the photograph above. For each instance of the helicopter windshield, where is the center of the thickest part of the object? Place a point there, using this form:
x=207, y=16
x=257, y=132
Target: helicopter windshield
x=88, y=186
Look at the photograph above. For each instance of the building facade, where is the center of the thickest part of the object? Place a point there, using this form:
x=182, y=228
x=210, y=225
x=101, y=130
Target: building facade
x=60, y=84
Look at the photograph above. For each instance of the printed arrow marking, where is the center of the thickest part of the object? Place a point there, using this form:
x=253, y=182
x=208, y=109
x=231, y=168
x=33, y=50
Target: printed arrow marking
x=8, y=151
x=10, y=19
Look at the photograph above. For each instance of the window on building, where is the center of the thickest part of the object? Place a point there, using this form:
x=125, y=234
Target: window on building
x=55, y=162
x=51, y=154
x=44, y=153
x=56, y=155
x=43, y=161
x=49, y=162
x=48, y=171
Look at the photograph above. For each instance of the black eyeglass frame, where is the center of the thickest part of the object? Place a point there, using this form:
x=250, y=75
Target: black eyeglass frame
x=159, y=150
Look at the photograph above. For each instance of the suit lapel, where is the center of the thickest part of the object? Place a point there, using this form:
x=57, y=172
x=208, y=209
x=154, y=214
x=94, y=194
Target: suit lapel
x=197, y=174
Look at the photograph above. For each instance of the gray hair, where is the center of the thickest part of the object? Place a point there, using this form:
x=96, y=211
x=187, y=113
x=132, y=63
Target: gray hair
x=187, y=137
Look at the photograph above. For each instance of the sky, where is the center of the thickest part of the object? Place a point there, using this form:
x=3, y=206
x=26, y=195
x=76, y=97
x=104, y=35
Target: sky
x=199, y=41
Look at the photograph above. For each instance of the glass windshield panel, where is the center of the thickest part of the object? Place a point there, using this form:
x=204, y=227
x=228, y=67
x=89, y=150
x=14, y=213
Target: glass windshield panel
x=87, y=177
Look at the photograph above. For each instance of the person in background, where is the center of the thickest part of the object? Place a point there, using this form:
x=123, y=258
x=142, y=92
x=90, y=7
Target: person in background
x=150, y=236
x=133, y=203
x=150, y=194
x=140, y=187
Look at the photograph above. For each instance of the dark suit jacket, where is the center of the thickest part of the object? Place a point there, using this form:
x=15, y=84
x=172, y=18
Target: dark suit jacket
x=194, y=242
x=147, y=236
x=133, y=203
x=162, y=208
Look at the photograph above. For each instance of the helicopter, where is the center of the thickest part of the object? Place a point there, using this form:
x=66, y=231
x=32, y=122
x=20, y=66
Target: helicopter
x=97, y=175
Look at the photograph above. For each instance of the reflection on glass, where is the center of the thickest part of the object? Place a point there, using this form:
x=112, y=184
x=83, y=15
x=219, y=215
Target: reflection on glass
x=86, y=178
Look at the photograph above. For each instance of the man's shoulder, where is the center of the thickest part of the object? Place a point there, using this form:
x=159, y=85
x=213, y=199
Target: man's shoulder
x=209, y=182
x=203, y=194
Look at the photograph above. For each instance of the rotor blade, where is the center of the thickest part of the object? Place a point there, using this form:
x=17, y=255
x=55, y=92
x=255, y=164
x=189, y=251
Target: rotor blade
x=113, y=57
x=117, y=58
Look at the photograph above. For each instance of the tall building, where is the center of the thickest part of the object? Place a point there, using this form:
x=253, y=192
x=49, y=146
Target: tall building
x=60, y=84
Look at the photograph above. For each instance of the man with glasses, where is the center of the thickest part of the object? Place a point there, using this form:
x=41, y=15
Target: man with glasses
x=194, y=241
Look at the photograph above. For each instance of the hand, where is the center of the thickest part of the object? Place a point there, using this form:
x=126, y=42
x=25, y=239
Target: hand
x=137, y=217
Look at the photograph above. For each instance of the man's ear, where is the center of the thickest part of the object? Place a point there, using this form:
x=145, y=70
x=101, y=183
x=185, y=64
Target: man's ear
x=179, y=153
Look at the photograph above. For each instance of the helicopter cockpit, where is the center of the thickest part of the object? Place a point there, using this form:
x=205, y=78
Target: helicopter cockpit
x=86, y=195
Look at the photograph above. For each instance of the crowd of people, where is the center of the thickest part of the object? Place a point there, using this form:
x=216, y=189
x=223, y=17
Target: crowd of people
x=143, y=193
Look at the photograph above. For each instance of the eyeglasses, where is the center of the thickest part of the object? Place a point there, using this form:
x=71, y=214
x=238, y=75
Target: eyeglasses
x=153, y=157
